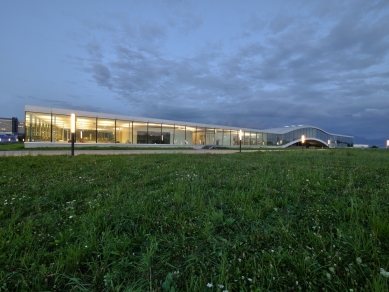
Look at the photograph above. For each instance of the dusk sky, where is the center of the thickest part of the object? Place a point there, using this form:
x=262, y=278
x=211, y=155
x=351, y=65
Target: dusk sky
x=254, y=64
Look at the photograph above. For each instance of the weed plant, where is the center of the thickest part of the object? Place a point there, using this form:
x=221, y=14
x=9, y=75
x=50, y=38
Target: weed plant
x=265, y=221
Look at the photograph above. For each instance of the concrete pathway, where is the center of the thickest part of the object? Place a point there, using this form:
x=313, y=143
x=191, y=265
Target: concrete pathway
x=116, y=152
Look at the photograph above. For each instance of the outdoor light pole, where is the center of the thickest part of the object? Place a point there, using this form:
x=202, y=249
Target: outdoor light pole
x=73, y=130
x=302, y=141
x=240, y=140
x=329, y=143
x=387, y=144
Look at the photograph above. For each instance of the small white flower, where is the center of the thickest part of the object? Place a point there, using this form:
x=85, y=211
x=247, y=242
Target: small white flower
x=220, y=286
x=249, y=279
x=209, y=285
x=86, y=246
x=359, y=260
x=70, y=217
x=272, y=250
x=384, y=273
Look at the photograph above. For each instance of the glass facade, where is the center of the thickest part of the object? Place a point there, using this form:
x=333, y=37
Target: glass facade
x=179, y=135
x=54, y=126
x=86, y=130
x=124, y=132
x=105, y=130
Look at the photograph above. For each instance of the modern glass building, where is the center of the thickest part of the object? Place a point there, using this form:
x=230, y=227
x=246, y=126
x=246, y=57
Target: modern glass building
x=51, y=126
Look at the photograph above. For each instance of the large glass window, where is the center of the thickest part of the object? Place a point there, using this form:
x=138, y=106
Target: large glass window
x=278, y=140
x=259, y=138
x=140, y=133
x=235, y=137
x=179, y=135
x=167, y=134
x=253, y=138
x=246, y=138
x=105, y=130
x=154, y=134
x=210, y=136
x=85, y=130
x=61, y=128
x=124, y=132
x=271, y=139
x=226, y=138
x=286, y=138
x=199, y=136
x=219, y=136
x=38, y=127
x=190, y=135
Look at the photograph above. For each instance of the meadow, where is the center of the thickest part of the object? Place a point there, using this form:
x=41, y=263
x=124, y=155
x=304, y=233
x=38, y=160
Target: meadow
x=297, y=220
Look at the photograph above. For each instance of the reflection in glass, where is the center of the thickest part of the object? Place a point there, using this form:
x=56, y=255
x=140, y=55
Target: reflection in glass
x=246, y=138
x=218, y=136
x=226, y=138
x=210, y=136
x=38, y=127
x=235, y=137
x=105, y=131
x=61, y=128
x=154, y=135
x=199, y=136
x=139, y=133
x=124, y=132
x=85, y=129
x=168, y=134
x=253, y=138
x=179, y=135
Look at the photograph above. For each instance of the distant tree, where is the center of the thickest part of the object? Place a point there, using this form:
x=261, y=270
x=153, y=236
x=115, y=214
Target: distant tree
x=374, y=146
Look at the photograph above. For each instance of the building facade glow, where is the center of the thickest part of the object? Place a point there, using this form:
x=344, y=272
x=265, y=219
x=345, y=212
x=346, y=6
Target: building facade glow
x=43, y=124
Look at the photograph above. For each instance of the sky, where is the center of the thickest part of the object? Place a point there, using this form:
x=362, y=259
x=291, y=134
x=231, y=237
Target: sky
x=253, y=64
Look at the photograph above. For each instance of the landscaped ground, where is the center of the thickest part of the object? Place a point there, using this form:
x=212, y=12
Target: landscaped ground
x=268, y=221
x=20, y=147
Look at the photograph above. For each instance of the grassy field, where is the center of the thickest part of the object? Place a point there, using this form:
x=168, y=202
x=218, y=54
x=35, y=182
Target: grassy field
x=20, y=147
x=266, y=221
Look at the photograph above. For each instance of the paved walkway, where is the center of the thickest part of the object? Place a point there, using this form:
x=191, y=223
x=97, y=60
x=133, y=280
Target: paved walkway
x=117, y=152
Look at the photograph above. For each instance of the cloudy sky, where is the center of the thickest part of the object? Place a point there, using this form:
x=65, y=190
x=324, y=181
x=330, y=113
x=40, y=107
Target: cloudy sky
x=257, y=64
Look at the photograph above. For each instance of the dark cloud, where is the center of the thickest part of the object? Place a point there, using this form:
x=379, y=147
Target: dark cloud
x=102, y=75
x=328, y=69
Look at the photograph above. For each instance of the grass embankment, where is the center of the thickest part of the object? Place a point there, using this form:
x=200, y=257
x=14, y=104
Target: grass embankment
x=20, y=146
x=309, y=220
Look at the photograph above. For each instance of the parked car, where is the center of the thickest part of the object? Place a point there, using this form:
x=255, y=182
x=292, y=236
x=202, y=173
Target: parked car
x=8, y=138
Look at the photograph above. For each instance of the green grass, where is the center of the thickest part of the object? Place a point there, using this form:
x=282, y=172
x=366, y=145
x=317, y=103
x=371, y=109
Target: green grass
x=12, y=146
x=20, y=146
x=264, y=221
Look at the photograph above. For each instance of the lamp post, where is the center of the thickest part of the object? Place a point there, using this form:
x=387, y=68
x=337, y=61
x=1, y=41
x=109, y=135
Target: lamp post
x=302, y=141
x=329, y=143
x=387, y=144
x=73, y=129
x=240, y=140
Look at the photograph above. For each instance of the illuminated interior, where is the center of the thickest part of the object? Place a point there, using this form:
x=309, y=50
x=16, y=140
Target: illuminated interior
x=54, y=125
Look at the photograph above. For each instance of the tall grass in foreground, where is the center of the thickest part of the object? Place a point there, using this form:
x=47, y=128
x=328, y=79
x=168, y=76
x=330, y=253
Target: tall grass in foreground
x=285, y=221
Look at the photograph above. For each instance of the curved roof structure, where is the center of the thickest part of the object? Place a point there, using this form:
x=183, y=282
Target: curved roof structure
x=53, y=125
